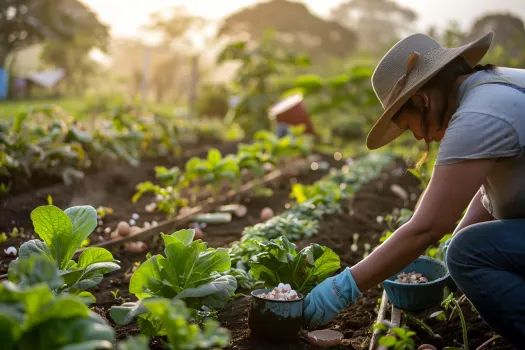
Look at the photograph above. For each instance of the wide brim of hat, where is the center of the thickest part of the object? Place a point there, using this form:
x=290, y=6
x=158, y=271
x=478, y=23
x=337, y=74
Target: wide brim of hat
x=385, y=131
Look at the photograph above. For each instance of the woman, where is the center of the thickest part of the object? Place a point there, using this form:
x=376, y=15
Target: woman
x=477, y=113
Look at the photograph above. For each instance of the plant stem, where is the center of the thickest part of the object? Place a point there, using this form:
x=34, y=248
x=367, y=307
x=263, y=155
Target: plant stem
x=463, y=324
x=487, y=343
x=422, y=325
x=460, y=301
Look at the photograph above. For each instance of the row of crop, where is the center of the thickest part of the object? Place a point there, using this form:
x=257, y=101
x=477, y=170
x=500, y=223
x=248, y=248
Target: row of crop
x=44, y=301
x=211, y=175
x=48, y=141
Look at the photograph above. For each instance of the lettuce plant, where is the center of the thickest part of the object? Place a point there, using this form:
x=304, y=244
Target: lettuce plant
x=36, y=318
x=173, y=319
x=213, y=170
x=278, y=262
x=285, y=224
x=325, y=195
x=61, y=234
x=189, y=271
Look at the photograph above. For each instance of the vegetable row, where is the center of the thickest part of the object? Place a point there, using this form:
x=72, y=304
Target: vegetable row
x=175, y=188
x=49, y=142
x=45, y=302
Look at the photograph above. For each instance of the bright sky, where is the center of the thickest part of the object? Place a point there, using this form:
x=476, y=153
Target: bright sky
x=127, y=16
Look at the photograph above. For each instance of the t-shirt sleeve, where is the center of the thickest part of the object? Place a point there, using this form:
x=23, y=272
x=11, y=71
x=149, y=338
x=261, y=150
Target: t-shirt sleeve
x=475, y=136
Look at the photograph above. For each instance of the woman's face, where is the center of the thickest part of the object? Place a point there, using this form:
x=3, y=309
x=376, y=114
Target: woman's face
x=412, y=117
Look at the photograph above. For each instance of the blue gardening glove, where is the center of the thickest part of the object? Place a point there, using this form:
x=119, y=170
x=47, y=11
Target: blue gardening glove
x=329, y=298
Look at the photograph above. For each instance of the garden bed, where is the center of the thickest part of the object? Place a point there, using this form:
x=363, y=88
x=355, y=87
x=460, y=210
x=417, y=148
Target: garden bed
x=112, y=187
x=374, y=199
x=336, y=231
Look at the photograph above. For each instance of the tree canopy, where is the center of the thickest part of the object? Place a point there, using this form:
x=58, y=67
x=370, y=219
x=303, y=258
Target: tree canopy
x=509, y=31
x=377, y=22
x=296, y=26
x=26, y=22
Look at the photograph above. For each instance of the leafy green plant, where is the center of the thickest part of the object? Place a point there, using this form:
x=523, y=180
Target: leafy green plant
x=280, y=263
x=137, y=342
x=396, y=338
x=167, y=195
x=189, y=271
x=287, y=224
x=172, y=319
x=253, y=157
x=36, y=318
x=451, y=303
x=296, y=143
x=325, y=195
x=61, y=234
x=213, y=170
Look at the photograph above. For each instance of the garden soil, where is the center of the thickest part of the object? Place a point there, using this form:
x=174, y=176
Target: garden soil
x=336, y=231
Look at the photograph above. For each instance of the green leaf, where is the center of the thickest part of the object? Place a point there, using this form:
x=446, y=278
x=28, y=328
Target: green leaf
x=138, y=342
x=54, y=227
x=125, y=313
x=28, y=271
x=146, y=281
x=217, y=291
x=387, y=340
x=189, y=270
x=84, y=221
x=183, y=236
x=214, y=157
x=94, y=255
x=72, y=276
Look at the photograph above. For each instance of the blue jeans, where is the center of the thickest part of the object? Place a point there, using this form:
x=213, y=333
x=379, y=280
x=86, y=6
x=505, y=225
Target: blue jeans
x=487, y=262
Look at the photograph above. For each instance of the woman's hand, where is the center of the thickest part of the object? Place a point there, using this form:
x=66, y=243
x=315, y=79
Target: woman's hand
x=329, y=298
x=451, y=189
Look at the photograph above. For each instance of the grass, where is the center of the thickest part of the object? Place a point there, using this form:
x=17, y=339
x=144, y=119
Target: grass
x=9, y=109
x=75, y=106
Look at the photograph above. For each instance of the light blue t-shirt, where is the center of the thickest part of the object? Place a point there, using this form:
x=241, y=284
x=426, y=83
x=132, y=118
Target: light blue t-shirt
x=490, y=123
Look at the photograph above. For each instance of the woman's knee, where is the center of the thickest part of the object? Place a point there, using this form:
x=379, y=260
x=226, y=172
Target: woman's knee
x=464, y=250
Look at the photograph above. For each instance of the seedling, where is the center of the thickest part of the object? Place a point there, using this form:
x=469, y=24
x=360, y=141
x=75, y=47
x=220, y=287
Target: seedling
x=451, y=302
x=396, y=337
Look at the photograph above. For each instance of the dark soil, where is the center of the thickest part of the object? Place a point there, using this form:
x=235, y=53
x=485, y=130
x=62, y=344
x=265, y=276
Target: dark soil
x=114, y=189
x=357, y=320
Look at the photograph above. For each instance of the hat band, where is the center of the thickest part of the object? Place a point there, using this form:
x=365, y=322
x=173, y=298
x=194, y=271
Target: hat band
x=400, y=84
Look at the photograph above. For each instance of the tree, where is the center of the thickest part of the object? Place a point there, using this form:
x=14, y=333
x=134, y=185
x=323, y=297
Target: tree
x=175, y=25
x=26, y=22
x=261, y=63
x=377, y=22
x=74, y=55
x=298, y=29
x=509, y=31
x=179, y=29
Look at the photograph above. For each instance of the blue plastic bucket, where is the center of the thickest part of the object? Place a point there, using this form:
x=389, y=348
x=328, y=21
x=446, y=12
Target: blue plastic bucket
x=4, y=83
x=423, y=296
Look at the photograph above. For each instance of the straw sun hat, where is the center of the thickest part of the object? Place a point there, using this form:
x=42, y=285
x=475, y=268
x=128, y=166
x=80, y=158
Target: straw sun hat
x=405, y=68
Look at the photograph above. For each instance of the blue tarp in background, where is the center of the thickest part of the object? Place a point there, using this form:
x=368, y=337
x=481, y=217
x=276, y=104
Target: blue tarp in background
x=4, y=83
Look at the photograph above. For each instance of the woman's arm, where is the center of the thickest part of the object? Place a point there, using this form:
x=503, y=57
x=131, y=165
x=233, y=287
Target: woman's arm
x=450, y=190
x=476, y=213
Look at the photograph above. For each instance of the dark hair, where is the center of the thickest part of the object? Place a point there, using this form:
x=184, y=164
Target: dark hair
x=443, y=82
